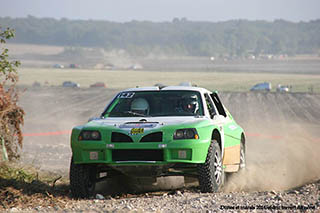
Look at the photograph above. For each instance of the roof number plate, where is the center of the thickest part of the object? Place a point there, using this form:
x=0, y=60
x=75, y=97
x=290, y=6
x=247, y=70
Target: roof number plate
x=126, y=95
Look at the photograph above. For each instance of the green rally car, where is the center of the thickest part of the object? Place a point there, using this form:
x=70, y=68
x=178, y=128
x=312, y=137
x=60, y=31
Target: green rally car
x=154, y=132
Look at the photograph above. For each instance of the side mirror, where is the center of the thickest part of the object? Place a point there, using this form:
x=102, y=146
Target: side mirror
x=212, y=115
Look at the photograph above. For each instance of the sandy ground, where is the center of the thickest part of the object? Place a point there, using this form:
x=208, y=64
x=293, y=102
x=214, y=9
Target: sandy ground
x=283, y=137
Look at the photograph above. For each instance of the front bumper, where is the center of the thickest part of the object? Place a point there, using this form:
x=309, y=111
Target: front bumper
x=178, y=151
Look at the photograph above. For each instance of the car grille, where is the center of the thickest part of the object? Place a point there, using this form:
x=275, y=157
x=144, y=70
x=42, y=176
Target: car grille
x=153, y=137
x=120, y=138
x=137, y=155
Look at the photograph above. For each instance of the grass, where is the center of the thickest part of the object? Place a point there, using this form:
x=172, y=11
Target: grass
x=222, y=81
x=22, y=188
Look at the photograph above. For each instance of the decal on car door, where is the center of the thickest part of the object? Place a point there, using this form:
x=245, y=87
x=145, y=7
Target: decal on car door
x=231, y=146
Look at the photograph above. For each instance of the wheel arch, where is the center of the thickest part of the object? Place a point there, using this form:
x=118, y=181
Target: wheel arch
x=243, y=140
x=217, y=136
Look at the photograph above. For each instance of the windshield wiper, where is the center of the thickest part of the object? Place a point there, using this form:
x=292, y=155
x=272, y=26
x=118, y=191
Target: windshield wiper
x=135, y=113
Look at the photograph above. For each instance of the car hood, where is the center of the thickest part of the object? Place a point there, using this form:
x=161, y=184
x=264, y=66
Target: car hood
x=145, y=122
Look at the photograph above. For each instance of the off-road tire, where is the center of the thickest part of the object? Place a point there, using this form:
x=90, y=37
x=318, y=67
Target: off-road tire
x=242, y=164
x=82, y=180
x=211, y=174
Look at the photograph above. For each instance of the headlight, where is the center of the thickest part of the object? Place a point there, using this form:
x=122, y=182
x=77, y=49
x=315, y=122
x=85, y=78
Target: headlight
x=89, y=135
x=190, y=133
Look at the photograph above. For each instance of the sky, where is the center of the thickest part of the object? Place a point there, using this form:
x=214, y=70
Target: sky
x=164, y=10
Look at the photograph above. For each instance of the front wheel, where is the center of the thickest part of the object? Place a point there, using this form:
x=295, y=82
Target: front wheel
x=82, y=180
x=211, y=174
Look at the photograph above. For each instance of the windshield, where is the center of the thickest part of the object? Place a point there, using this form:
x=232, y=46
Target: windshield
x=155, y=103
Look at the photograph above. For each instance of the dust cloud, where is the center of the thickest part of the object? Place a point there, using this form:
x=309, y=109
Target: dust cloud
x=278, y=163
x=283, y=141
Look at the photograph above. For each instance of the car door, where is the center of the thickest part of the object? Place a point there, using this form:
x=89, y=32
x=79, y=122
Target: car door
x=231, y=146
x=218, y=120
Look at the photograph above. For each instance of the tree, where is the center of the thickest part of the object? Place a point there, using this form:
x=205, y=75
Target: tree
x=11, y=115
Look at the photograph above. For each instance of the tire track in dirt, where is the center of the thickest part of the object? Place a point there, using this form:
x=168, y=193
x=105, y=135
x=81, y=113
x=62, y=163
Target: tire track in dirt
x=235, y=107
x=311, y=103
x=255, y=111
x=300, y=107
x=70, y=103
x=265, y=107
x=287, y=109
x=239, y=106
x=275, y=100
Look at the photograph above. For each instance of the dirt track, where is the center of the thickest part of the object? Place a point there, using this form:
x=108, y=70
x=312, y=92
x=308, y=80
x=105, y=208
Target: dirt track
x=283, y=145
x=283, y=140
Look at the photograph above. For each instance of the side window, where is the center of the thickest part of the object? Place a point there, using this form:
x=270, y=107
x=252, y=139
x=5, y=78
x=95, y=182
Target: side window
x=218, y=104
x=210, y=105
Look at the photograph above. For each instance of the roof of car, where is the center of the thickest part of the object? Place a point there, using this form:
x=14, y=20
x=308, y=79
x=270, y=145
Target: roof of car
x=185, y=88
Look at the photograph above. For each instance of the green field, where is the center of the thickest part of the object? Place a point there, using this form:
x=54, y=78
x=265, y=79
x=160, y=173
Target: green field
x=222, y=81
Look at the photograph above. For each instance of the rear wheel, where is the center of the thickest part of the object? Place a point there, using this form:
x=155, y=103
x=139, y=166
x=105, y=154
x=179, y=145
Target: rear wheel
x=82, y=180
x=242, y=165
x=211, y=174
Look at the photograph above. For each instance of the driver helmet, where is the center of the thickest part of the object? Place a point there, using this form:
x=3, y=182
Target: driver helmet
x=140, y=105
x=190, y=103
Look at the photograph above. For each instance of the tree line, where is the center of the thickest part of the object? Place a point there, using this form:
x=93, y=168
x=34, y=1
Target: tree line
x=177, y=37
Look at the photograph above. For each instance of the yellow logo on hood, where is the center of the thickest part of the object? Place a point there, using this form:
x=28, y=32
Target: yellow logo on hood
x=135, y=131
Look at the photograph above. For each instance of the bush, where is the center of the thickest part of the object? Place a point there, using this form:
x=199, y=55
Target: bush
x=11, y=115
